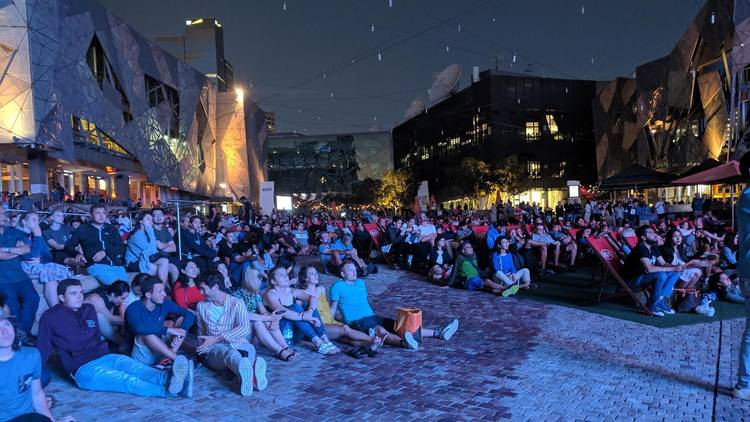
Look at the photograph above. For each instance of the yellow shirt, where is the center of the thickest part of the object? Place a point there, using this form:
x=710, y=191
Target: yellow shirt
x=324, y=309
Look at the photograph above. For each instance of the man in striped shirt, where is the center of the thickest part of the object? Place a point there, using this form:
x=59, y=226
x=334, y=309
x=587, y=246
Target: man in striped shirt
x=224, y=332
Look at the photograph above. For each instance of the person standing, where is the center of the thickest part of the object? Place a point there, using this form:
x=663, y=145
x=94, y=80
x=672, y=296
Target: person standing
x=742, y=389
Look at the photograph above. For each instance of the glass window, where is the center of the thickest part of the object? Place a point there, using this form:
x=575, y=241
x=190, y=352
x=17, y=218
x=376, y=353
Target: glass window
x=532, y=131
x=534, y=168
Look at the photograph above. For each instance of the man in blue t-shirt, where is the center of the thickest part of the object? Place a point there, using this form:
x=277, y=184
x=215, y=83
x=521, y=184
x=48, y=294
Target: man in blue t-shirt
x=349, y=296
x=21, y=392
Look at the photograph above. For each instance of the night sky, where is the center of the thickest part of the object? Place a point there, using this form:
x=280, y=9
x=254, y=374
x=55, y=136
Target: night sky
x=273, y=50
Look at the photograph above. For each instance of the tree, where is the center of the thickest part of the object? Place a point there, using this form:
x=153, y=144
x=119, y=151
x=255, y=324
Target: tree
x=507, y=177
x=365, y=192
x=479, y=176
x=393, y=189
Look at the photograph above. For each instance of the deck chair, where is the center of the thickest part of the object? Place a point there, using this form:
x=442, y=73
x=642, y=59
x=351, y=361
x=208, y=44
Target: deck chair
x=613, y=266
x=375, y=233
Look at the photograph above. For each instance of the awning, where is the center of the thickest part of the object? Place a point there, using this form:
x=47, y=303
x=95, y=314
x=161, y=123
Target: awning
x=728, y=173
x=706, y=165
x=636, y=176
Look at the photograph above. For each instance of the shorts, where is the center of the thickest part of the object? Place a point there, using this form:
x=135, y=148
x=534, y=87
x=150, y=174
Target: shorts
x=474, y=283
x=144, y=355
x=107, y=274
x=370, y=322
x=133, y=267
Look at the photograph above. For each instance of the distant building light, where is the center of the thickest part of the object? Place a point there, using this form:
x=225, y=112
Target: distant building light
x=194, y=22
x=240, y=94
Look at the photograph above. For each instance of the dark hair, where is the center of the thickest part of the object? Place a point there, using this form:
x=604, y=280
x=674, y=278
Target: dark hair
x=118, y=288
x=138, y=280
x=96, y=207
x=211, y=278
x=347, y=262
x=62, y=287
x=272, y=273
x=194, y=217
x=148, y=283
x=140, y=225
x=640, y=231
x=713, y=282
x=302, y=282
x=153, y=210
x=26, y=215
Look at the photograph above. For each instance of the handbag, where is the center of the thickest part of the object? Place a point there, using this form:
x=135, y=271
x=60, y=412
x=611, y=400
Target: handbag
x=688, y=299
x=409, y=319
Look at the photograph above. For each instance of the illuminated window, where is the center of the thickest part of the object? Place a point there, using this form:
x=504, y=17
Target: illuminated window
x=532, y=131
x=534, y=168
x=85, y=131
x=553, y=129
x=561, y=172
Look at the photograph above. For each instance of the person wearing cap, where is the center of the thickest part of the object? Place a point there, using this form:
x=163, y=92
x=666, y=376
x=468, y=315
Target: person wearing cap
x=15, y=284
x=21, y=394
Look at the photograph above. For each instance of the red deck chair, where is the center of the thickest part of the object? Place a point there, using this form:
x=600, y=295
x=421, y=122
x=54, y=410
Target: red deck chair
x=613, y=266
x=632, y=241
x=480, y=231
x=573, y=233
x=529, y=229
x=375, y=233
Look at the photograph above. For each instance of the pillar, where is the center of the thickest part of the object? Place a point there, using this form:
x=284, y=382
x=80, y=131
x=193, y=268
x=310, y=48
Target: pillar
x=38, y=187
x=19, y=178
x=122, y=187
x=11, y=178
x=1, y=178
x=84, y=183
x=71, y=184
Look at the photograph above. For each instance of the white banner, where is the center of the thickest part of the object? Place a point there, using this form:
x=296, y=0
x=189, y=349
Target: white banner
x=423, y=195
x=266, y=198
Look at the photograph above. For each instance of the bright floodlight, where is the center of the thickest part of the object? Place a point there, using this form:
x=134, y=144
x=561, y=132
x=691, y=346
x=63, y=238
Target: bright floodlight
x=240, y=94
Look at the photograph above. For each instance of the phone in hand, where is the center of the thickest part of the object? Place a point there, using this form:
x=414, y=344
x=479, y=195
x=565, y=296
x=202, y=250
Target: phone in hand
x=279, y=312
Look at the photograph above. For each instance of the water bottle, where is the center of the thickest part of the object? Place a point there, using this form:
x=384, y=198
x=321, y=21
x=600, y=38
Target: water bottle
x=287, y=330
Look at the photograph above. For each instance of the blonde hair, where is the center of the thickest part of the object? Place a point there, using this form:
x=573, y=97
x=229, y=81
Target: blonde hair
x=251, y=280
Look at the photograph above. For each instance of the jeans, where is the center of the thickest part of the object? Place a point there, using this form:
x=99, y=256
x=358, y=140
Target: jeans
x=108, y=274
x=743, y=377
x=663, y=282
x=223, y=356
x=23, y=301
x=309, y=330
x=121, y=374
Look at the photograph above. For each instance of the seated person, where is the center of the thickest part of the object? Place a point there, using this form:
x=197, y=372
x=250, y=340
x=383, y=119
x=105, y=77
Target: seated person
x=303, y=238
x=507, y=267
x=674, y=252
x=308, y=283
x=56, y=236
x=349, y=300
x=195, y=248
x=441, y=256
x=21, y=392
x=106, y=301
x=288, y=241
x=345, y=250
x=265, y=324
x=262, y=259
x=224, y=329
x=103, y=249
x=237, y=257
x=282, y=297
x=729, y=251
x=543, y=241
x=727, y=288
x=568, y=242
x=327, y=257
x=71, y=330
x=155, y=341
x=186, y=293
x=467, y=271
x=645, y=265
x=142, y=253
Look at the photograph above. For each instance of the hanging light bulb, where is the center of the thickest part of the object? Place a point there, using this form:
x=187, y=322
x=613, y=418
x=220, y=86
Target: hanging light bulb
x=375, y=118
x=459, y=27
x=514, y=57
x=390, y=3
x=372, y=28
x=324, y=75
x=299, y=110
x=566, y=89
x=713, y=18
x=592, y=60
x=494, y=20
x=519, y=100
x=447, y=48
x=583, y=10
x=331, y=94
x=283, y=6
x=380, y=56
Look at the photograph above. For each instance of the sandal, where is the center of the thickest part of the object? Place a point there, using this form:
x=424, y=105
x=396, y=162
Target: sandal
x=357, y=353
x=333, y=349
x=324, y=349
x=286, y=358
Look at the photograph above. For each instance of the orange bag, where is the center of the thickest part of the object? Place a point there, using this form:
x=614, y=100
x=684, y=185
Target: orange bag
x=409, y=319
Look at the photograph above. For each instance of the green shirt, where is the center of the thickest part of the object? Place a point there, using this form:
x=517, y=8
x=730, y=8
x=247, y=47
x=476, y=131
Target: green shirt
x=468, y=268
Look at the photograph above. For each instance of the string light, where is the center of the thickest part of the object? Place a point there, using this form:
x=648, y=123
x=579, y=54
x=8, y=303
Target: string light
x=390, y=3
x=324, y=75
x=331, y=94
x=459, y=27
x=372, y=28
x=583, y=10
x=380, y=56
x=283, y=6
x=514, y=57
x=713, y=18
x=447, y=48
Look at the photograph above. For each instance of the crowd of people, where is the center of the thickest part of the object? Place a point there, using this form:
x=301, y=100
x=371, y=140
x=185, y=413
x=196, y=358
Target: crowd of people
x=210, y=290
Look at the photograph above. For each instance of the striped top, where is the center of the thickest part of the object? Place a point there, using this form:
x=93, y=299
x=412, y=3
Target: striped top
x=233, y=323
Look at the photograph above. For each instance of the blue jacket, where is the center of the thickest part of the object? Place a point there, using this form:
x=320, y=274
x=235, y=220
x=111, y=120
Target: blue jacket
x=142, y=322
x=141, y=242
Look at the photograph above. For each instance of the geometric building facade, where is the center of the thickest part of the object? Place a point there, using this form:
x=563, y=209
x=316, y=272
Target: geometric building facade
x=675, y=112
x=83, y=95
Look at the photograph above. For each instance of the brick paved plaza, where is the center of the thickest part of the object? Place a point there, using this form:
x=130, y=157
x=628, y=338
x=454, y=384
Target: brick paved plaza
x=511, y=359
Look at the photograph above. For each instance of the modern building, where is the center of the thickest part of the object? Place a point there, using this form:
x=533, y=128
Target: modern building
x=87, y=102
x=300, y=164
x=675, y=113
x=545, y=122
x=202, y=47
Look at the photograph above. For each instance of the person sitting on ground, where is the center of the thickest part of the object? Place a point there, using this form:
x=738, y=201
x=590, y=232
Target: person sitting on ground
x=441, y=260
x=727, y=288
x=21, y=392
x=467, y=271
x=56, y=236
x=155, y=341
x=327, y=256
x=645, y=265
x=103, y=249
x=265, y=324
x=195, y=248
x=675, y=252
x=164, y=235
x=303, y=238
x=186, y=293
x=364, y=343
x=15, y=284
x=349, y=300
x=729, y=251
x=224, y=329
x=345, y=250
x=282, y=297
x=142, y=253
x=508, y=267
x=106, y=301
x=39, y=261
x=235, y=256
x=71, y=330
x=288, y=241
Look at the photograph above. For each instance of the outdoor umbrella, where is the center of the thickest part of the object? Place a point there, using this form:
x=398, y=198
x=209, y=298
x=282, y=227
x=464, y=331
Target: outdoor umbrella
x=636, y=176
x=727, y=173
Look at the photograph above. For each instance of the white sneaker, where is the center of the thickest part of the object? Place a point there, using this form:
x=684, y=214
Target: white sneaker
x=180, y=369
x=246, y=377
x=409, y=341
x=261, y=381
x=704, y=310
x=449, y=330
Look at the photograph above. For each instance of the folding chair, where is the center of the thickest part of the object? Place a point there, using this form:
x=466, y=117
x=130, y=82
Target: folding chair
x=375, y=233
x=613, y=266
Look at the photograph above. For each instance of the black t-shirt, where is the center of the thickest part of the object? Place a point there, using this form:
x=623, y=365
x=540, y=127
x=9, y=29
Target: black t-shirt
x=163, y=235
x=633, y=266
